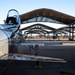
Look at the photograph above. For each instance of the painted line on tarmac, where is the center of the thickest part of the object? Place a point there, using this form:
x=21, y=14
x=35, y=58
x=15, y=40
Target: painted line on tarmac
x=5, y=67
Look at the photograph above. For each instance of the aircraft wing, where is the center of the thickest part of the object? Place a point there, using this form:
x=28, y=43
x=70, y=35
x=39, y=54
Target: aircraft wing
x=47, y=43
x=22, y=57
x=41, y=43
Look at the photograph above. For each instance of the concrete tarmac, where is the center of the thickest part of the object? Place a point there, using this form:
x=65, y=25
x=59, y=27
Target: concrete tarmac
x=66, y=52
x=31, y=68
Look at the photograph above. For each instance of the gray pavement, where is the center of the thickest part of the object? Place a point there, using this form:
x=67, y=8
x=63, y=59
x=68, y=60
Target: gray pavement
x=66, y=52
x=31, y=68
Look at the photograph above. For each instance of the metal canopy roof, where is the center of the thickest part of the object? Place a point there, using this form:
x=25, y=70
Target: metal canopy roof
x=49, y=13
x=47, y=27
x=38, y=28
x=41, y=28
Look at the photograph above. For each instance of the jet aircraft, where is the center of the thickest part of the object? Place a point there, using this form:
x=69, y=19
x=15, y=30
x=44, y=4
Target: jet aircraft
x=8, y=31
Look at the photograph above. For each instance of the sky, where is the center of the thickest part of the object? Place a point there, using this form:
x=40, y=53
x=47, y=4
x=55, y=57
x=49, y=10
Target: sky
x=24, y=6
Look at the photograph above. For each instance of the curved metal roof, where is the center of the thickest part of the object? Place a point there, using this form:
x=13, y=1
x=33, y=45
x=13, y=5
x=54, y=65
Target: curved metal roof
x=35, y=28
x=41, y=28
x=47, y=27
x=49, y=13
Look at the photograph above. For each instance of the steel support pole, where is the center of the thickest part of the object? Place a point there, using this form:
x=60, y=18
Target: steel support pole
x=72, y=32
x=69, y=32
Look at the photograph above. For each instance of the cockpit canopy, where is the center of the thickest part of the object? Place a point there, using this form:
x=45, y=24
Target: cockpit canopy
x=13, y=17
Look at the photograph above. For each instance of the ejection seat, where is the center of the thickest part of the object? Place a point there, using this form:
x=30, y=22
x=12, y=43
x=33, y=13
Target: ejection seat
x=11, y=20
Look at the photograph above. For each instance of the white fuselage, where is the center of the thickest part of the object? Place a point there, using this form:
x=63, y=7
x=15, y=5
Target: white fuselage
x=3, y=43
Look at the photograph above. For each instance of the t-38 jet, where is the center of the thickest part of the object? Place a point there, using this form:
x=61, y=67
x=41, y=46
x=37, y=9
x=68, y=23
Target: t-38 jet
x=8, y=31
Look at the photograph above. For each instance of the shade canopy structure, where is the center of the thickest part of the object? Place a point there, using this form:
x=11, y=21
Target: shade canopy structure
x=46, y=15
x=51, y=16
x=35, y=28
x=38, y=25
x=42, y=28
